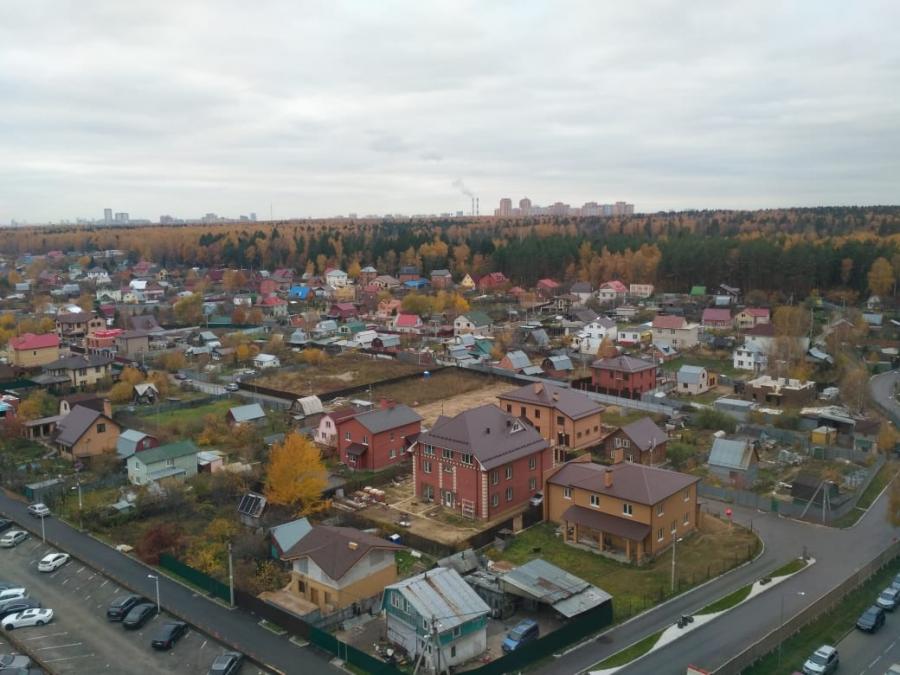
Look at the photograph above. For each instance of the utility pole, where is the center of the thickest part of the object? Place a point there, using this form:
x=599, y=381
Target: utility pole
x=437, y=646
x=230, y=575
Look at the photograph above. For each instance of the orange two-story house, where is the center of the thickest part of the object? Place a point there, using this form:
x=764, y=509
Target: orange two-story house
x=568, y=419
x=628, y=511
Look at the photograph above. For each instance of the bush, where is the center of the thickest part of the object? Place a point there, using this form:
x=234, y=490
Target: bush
x=715, y=421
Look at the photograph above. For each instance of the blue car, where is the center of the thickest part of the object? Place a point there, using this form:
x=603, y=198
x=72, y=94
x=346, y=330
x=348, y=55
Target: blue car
x=525, y=631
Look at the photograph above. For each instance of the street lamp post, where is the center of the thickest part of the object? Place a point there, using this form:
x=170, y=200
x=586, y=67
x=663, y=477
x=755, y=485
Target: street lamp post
x=674, y=542
x=155, y=578
x=781, y=624
x=43, y=533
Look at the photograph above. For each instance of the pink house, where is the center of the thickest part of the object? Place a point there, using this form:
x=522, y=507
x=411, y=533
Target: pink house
x=714, y=317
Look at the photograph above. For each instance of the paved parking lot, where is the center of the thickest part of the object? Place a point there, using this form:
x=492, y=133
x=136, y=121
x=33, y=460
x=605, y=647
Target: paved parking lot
x=80, y=639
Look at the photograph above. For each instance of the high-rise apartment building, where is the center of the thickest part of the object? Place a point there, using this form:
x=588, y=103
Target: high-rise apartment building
x=107, y=216
x=122, y=217
x=505, y=207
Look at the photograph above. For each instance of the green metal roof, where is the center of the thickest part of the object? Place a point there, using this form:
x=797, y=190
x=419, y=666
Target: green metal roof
x=698, y=290
x=168, y=451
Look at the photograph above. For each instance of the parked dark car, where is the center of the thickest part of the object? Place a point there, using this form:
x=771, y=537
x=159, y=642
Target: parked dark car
x=170, y=633
x=5, y=524
x=17, y=605
x=871, y=620
x=139, y=615
x=120, y=607
x=226, y=663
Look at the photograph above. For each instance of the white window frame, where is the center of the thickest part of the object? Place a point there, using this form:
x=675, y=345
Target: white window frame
x=627, y=509
x=567, y=493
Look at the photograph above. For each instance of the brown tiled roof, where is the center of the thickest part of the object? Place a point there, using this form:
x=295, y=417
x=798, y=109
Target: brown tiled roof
x=604, y=522
x=569, y=402
x=337, y=549
x=645, y=433
x=488, y=433
x=632, y=482
x=668, y=321
x=625, y=364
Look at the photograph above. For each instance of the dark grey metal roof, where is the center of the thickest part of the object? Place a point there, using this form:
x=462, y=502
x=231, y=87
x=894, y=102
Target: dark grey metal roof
x=569, y=402
x=385, y=419
x=74, y=425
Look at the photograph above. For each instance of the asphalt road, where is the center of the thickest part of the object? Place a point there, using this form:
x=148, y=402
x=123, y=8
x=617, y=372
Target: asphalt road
x=838, y=553
x=871, y=654
x=882, y=389
x=235, y=628
x=80, y=639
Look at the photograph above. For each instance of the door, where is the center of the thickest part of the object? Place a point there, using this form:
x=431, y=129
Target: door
x=448, y=499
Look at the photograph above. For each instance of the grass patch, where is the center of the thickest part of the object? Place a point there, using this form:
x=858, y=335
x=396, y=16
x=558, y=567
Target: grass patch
x=725, y=366
x=794, y=565
x=879, y=482
x=408, y=564
x=710, y=552
x=628, y=655
x=828, y=629
x=728, y=601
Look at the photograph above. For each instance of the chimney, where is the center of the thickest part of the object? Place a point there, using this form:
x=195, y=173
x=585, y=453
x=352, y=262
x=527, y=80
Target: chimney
x=352, y=545
x=555, y=395
x=538, y=387
x=107, y=408
x=607, y=478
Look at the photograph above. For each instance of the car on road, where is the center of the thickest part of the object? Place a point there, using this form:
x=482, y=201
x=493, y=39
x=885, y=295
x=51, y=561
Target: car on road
x=139, y=615
x=537, y=499
x=16, y=605
x=226, y=663
x=13, y=538
x=119, y=608
x=30, y=617
x=12, y=662
x=180, y=376
x=39, y=510
x=888, y=599
x=824, y=660
x=53, y=561
x=5, y=524
x=170, y=633
x=524, y=632
x=871, y=620
x=13, y=593
x=893, y=670
x=896, y=582
x=232, y=386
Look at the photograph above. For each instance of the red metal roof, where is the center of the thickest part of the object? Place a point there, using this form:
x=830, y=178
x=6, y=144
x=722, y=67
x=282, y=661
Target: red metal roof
x=32, y=341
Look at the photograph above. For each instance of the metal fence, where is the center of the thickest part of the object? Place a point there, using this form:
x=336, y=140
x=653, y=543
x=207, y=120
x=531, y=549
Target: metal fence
x=823, y=605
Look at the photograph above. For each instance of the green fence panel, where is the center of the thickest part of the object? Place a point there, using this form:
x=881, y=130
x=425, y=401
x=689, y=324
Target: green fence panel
x=195, y=576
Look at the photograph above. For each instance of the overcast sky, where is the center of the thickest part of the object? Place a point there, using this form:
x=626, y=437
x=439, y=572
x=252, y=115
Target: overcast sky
x=324, y=108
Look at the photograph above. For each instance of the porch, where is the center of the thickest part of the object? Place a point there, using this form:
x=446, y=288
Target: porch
x=608, y=535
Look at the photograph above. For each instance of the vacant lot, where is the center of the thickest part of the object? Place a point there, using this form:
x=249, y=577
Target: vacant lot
x=719, y=365
x=713, y=550
x=453, y=405
x=178, y=423
x=337, y=372
x=442, y=385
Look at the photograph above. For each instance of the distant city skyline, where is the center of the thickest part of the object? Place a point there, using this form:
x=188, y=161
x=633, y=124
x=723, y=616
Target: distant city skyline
x=414, y=108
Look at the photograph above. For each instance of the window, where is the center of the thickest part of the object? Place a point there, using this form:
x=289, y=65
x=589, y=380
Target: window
x=509, y=473
x=659, y=534
x=429, y=450
x=537, y=413
x=365, y=440
x=687, y=518
x=595, y=500
x=674, y=526
x=617, y=442
x=687, y=494
x=560, y=420
x=495, y=500
x=467, y=458
x=579, y=434
x=627, y=509
x=327, y=424
x=426, y=466
x=629, y=458
x=301, y=586
x=101, y=428
x=392, y=435
x=596, y=428
x=509, y=494
x=170, y=462
x=509, y=408
x=522, y=411
x=659, y=509
x=456, y=633
x=453, y=650
x=495, y=477
x=567, y=493
x=398, y=601
x=626, y=443
x=327, y=597
x=446, y=453
x=448, y=468
x=532, y=484
x=347, y=436
x=532, y=463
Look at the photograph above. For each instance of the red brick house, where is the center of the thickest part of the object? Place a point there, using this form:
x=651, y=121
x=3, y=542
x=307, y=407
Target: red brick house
x=441, y=280
x=481, y=464
x=624, y=376
x=492, y=281
x=714, y=317
x=379, y=438
x=642, y=442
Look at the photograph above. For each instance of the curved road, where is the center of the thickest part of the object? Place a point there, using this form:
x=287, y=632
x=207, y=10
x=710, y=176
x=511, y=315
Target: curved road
x=838, y=553
x=882, y=389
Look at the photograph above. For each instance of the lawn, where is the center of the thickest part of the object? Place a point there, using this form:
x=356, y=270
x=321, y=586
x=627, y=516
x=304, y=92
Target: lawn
x=828, y=629
x=710, y=552
x=336, y=372
x=869, y=495
x=177, y=423
x=725, y=366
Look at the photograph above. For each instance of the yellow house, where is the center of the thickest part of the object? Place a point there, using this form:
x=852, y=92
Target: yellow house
x=81, y=370
x=32, y=351
x=823, y=435
x=626, y=511
x=334, y=567
x=86, y=433
x=468, y=283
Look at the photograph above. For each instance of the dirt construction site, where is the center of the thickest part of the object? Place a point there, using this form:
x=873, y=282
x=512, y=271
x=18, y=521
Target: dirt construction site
x=457, y=404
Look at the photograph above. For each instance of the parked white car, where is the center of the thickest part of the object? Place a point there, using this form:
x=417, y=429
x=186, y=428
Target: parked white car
x=13, y=538
x=53, y=561
x=39, y=510
x=30, y=617
x=13, y=593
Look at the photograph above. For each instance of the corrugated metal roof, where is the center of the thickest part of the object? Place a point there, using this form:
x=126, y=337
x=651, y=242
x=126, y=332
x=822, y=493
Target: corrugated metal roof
x=730, y=454
x=247, y=413
x=443, y=595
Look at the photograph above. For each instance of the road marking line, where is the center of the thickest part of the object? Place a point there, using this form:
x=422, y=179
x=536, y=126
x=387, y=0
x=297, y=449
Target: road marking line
x=41, y=637
x=204, y=644
x=69, y=658
x=71, y=644
x=80, y=570
x=66, y=581
x=105, y=581
x=87, y=598
x=875, y=661
x=92, y=576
